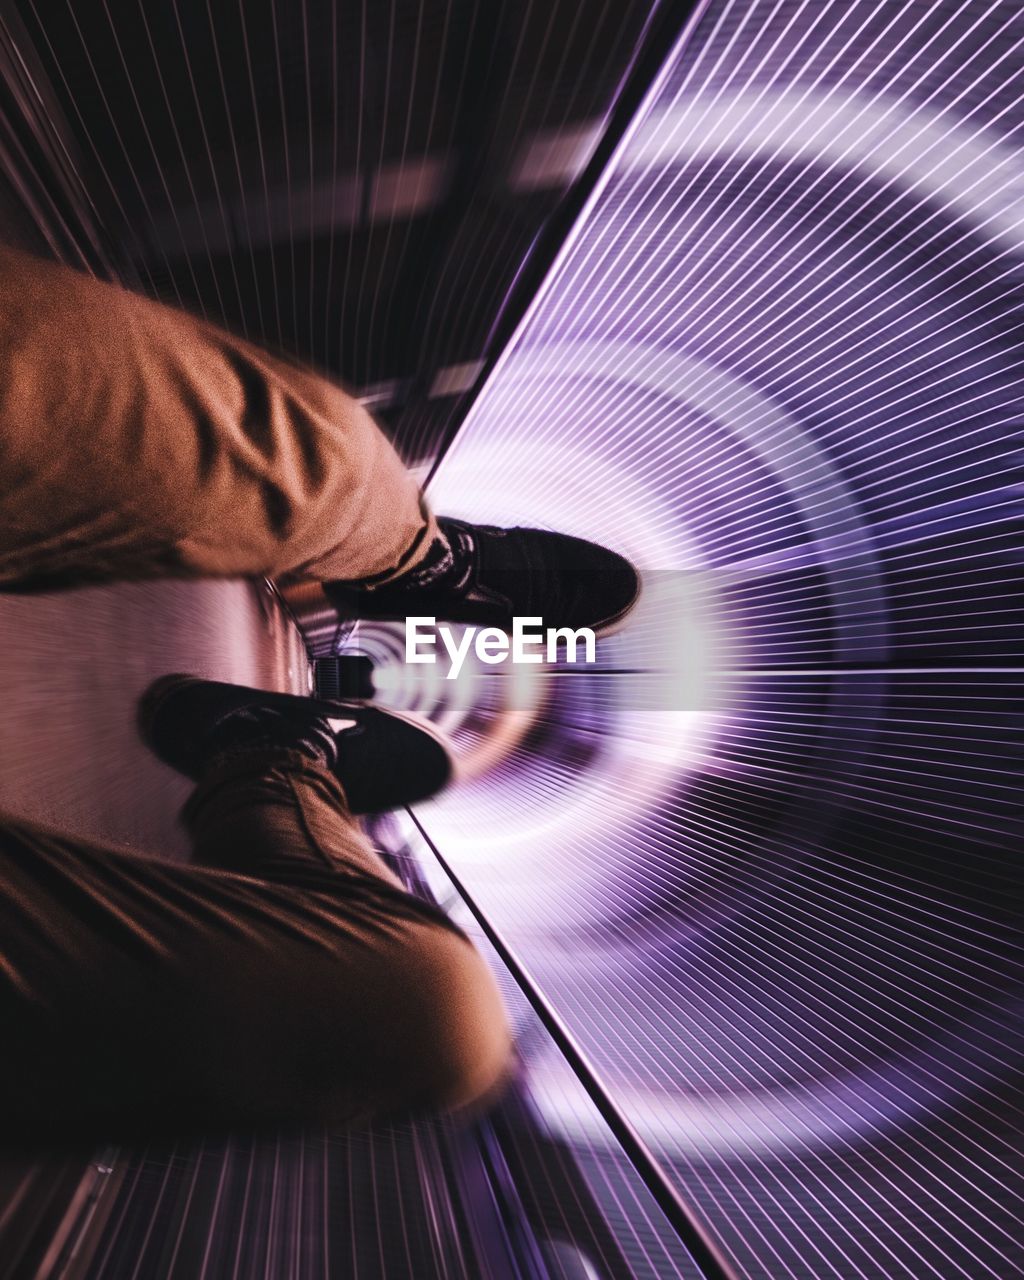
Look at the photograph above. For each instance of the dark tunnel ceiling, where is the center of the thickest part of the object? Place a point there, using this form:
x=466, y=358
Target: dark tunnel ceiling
x=356, y=184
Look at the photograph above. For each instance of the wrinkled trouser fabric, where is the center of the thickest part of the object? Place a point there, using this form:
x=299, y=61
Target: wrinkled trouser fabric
x=137, y=441
x=285, y=977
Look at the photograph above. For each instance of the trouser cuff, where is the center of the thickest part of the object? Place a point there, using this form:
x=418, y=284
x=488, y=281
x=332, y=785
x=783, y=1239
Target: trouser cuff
x=428, y=543
x=269, y=766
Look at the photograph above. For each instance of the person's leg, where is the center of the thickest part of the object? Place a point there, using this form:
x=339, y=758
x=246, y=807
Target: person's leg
x=287, y=978
x=406, y=1012
x=138, y=441
x=412, y=1015
x=145, y=999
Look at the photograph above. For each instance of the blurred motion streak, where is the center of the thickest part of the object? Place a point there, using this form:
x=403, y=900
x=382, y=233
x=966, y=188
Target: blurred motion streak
x=763, y=859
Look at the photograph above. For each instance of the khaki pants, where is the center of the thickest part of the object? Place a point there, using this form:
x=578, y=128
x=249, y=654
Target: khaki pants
x=286, y=976
x=137, y=441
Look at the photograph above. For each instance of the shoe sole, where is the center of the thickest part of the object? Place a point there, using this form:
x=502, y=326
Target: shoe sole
x=613, y=625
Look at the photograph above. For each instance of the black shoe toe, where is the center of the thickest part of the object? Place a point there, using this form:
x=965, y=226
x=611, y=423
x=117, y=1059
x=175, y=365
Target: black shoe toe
x=565, y=581
x=387, y=761
x=587, y=585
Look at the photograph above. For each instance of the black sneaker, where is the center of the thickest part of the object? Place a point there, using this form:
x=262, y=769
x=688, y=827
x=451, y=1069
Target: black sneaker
x=383, y=760
x=488, y=576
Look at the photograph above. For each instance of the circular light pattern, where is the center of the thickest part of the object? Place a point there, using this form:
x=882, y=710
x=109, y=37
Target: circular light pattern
x=778, y=361
x=762, y=859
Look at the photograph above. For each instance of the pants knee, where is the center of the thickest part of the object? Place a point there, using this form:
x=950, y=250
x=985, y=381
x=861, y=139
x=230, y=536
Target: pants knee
x=455, y=1027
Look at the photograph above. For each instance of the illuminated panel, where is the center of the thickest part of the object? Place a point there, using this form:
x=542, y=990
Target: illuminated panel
x=766, y=878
